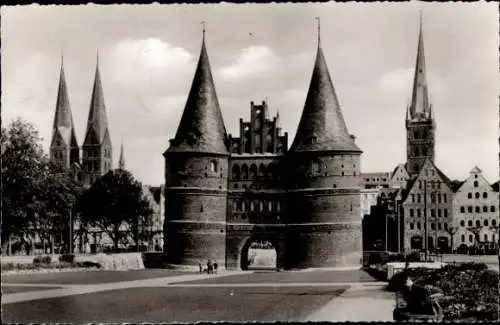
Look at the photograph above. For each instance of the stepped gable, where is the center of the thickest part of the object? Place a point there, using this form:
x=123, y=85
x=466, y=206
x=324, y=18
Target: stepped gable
x=201, y=128
x=63, y=118
x=322, y=126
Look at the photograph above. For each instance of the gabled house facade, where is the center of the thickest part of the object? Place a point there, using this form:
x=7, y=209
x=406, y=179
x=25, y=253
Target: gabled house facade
x=427, y=208
x=475, y=212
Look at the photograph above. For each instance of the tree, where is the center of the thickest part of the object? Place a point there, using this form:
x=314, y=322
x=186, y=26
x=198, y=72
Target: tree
x=112, y=203
x=22, y=158
x=451, y=231
x=57, y=195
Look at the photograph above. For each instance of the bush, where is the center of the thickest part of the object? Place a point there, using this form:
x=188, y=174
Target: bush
x=68, y=258
x=47, y=259
x=88, y=264
x=470, y=289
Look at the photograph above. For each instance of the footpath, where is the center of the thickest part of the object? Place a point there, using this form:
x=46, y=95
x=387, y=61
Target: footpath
x=79, y=289
x=360, y=303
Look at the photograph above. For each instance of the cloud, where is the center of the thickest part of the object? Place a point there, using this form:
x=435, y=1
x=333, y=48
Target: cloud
x=149, y=65
x=252, y=61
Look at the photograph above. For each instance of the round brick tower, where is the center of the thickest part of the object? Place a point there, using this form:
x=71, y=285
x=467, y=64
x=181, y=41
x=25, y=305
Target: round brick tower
x=196, y=171
x=324, y=182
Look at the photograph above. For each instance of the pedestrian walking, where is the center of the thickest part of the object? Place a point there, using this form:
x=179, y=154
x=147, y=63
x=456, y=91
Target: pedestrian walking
x=201, y=267
x=210, y=267
x=215, y=267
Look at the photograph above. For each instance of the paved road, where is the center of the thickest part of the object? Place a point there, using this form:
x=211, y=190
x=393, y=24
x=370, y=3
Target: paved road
x=166, y=296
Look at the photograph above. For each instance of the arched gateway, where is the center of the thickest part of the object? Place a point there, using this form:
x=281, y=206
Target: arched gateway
x=223, y=192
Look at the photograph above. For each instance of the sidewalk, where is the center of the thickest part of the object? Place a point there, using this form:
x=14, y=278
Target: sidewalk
x=79, y=289
x=360, y=303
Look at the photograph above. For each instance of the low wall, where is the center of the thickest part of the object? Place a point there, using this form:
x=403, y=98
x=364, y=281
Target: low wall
x=123, y=261
x=396, y=267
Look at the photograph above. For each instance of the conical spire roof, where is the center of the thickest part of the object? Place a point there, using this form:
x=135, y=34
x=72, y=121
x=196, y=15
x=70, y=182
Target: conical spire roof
x=420, y=107
x=201, y=128
x=63, y=118
x=97, y=121
x=121, y=161
x=322, y=126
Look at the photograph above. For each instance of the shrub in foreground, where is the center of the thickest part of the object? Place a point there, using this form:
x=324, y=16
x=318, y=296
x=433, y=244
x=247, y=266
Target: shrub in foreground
x=68, y=258
x=470, y=289
x=47, y=259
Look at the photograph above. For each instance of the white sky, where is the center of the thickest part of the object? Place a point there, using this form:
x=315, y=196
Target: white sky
x=148, y=54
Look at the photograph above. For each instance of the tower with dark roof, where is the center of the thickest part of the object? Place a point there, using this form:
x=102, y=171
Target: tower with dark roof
x=324, y=181
x=196, y=176
x=121, y=161
x=63, y=146
x=96, y=149
x=420, y=126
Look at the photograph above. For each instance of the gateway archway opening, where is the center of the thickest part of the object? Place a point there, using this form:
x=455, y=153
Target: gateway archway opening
x=259, y=255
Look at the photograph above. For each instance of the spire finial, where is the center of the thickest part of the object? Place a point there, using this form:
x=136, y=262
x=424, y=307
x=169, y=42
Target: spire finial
x=62, y=59
x=319, y=31
x=204, y=31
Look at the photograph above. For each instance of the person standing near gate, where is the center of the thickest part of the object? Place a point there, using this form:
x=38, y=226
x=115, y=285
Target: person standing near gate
x=201, y=267
x=209, y=267
x=215, y=267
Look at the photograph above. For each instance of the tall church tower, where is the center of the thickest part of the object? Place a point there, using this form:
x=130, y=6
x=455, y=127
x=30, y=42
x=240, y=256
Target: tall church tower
x=420, y=126
x=324, y=181
x=63, y=146
x=196, y=176
x=97, y=150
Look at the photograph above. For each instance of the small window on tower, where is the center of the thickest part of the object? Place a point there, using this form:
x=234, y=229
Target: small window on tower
x=213, y=166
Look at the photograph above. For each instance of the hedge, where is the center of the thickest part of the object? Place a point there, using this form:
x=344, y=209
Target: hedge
x=470, y=289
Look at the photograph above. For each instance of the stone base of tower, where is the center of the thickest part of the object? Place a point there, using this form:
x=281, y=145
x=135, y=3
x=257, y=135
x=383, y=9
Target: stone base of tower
x=326, y=246
x=186, y=247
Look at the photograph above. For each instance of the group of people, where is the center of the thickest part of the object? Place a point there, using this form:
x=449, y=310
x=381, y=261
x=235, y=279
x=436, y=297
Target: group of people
x=211, y=267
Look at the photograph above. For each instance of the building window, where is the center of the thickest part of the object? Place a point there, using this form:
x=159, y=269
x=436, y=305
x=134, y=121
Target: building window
x=462, y=209
x=438, y=185
x=413, y=198
x=485, y=195
x=477, y=195
x=439, y=197
x=469, y=223
x=213, y=166
x=485, y=208
x=485, y=237
x=470, y=238
x=462, y=238
x=478, y=223
x=469, y=209
x=251, y=206
x=432, y=226
x=236, y=172
x=494, y=222
x=476, y=184
x=433, y=213
x=439, y=226
x=418, y=198
x=418, y=225
x=439, y=213
x=244, y=172
x=433, y=198
x=444, y=198
x=478, y=209
x=420, y=184
x=411, y=213
x=492, y=208
x=493, y=237
x=462, y=223
x=446, y=213
x=316, y=167
x=486, y=222
x=469, y=195
x=419, y=214
x=412, y=226
x=445, y=226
